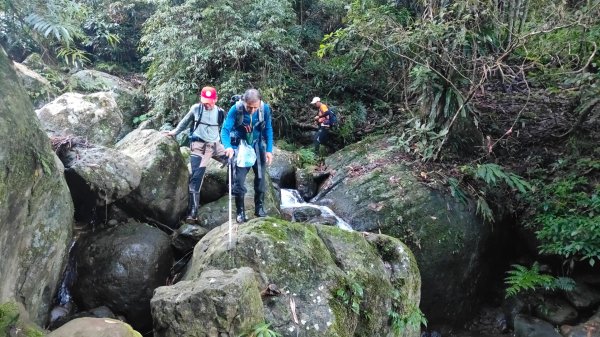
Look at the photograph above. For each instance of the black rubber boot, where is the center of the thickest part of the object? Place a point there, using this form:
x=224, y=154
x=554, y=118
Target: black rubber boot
x=194, y=204
x=239, y=209
x=259, y=203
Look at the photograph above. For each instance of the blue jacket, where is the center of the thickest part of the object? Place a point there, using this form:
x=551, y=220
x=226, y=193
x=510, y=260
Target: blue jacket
x=230, y=128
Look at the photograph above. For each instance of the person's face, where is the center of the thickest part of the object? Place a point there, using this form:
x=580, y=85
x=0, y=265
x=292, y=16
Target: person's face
x=318, y=104
x=209, y=105
x=252, y=107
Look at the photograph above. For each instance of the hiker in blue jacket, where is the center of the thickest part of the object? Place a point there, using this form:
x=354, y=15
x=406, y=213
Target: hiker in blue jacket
x=249, y=121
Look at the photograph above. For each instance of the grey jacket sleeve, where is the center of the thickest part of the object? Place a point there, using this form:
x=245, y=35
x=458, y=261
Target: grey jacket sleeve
x=186, y=120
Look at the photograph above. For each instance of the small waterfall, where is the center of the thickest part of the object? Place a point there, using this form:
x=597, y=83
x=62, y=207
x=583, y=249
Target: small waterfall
x=292, y=199
x=69, y=276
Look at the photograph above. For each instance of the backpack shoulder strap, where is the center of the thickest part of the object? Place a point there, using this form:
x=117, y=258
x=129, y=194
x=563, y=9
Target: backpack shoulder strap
x=261, y=112
x=197, y=118
x=239, y=116
x=220, y=116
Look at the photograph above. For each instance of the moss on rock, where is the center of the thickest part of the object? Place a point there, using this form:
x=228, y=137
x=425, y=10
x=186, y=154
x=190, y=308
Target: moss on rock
x=336, y=280
x=36, y=210
x=375, y=190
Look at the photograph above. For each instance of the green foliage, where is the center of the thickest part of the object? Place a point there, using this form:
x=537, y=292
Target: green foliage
x=58, y=19
x=421, y=138
x=72, y=55
x=568, y=212
x=9, y=314
x=9, y=318
x=405, y=317
x=456, y=191
x=261, y=330
x=285, y=145
x=522, y=279
x=351, y=295
x=235, y=44
x=492, y=174
x=306, y=157
x=138, y=119
x=487, y=177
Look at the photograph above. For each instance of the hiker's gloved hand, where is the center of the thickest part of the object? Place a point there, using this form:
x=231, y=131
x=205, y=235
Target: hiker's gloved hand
x=229, y=152
x=269, y=156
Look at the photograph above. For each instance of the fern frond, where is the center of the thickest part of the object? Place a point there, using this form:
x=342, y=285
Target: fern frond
x=521, y=279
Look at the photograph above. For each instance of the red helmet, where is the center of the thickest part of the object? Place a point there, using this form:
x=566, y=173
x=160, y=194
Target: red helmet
x=208, y=95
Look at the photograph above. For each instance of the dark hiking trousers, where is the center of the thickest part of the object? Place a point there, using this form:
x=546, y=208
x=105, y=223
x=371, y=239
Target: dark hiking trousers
x=321, y=138
x=239, y=180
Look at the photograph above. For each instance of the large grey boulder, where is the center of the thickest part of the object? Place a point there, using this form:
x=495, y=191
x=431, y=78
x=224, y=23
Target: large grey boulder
x=583, y=296
x=102, y=172
x=216, y=303
x=332, y=282
x=39, y=89
x=130, y=99
x=528, y=326
x=95, y=327
x=554, y=310
x=374, y=190
x=283, y=168
x=589, y=328
x=306, y=183
x=120, y=268
x=214, y=185
x=95, y=117
x=162, y=194
x=36, y=210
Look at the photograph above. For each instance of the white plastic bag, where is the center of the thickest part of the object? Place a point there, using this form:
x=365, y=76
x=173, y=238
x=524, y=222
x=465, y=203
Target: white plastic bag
x=245, y=156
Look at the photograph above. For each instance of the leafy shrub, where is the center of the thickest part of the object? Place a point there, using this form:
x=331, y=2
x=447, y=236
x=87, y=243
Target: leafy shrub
x=236, y=45
x=306, y=157
x=492, y=176
x=405, y=317
x=351, y=295
x=261, y=330
x=568, y=216
x=522, y=279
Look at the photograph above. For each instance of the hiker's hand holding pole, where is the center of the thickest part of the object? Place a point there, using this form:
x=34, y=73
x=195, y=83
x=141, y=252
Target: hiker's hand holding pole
x=269, y=156
x=229, y=152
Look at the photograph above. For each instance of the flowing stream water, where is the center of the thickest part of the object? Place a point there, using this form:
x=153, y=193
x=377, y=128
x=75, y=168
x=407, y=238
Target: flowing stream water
x=292, y=199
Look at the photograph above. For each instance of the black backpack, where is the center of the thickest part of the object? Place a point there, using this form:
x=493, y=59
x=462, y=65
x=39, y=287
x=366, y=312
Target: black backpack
x=333, y=119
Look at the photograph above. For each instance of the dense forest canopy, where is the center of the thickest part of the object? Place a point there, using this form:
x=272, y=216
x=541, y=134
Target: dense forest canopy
x=413, y=69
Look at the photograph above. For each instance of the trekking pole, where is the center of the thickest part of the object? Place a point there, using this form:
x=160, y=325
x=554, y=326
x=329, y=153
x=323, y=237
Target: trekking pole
x=229, y=169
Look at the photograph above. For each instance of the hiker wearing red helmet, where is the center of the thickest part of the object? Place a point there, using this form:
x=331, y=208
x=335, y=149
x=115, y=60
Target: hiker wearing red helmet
x=204, y=120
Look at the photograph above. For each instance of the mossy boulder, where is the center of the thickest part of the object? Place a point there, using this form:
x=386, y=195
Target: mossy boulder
x=216, y=303
x=332, y=282
x=39, y=89
x=120, y=268
x=373, y=189
x=36, y=210
x=14, y=322
x=162, y=194
x=130, y=99
x=95, y=327
x=95, y=117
